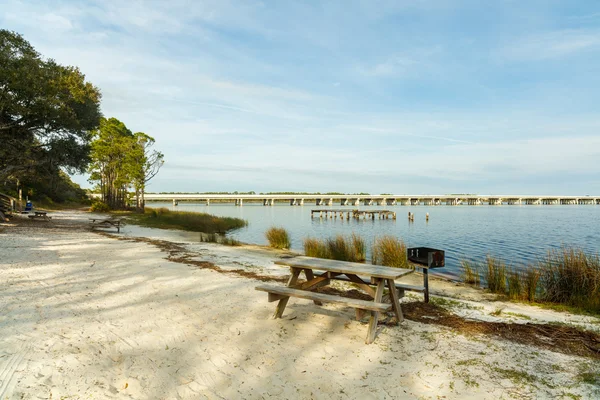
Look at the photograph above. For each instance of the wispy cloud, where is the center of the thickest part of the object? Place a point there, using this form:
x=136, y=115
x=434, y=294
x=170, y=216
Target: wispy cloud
x=551, y=45
x=340, y=95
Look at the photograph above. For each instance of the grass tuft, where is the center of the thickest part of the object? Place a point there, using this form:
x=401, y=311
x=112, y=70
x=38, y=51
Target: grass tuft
x=570, y=276
x=470, y=273
x=389, y=251
x=495, y=275
x=278, y=238
x=344, y=248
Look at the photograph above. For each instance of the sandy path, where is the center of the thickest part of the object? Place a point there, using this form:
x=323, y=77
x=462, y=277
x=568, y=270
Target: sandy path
x=86, y=316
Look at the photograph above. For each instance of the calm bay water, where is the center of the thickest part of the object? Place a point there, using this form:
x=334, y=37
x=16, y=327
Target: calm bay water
x=517, y=234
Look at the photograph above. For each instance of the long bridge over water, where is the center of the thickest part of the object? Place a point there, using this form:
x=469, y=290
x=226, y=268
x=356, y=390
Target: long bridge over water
x=368, y=200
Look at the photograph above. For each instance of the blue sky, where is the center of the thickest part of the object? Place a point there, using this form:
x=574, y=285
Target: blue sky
x=376, y=96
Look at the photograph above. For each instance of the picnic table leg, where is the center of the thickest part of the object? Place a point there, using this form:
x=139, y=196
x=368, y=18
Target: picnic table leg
x=310, y=276
x=283, y=302
x=395, y=300
x=374, y=314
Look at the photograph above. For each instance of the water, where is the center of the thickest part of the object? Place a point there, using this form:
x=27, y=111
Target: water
x=517, y=234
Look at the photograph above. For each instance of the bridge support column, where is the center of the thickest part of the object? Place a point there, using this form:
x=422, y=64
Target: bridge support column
x=357, y=202
x=175, y=202
x=208, y=202
x=330, y=202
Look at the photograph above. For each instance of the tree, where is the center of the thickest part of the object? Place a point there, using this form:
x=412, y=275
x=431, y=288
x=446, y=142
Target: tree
x=47, y=111
x=147, y=162
x=120, y=160
x=112, y=165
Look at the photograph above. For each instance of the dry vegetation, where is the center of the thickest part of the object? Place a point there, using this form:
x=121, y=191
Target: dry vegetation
x=278, y=238
x=567, y=276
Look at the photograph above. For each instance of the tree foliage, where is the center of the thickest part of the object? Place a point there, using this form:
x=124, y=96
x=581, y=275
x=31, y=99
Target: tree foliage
x=122, y=160
x=47, y=112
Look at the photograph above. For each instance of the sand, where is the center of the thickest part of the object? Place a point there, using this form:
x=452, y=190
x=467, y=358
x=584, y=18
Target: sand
x=84, y=315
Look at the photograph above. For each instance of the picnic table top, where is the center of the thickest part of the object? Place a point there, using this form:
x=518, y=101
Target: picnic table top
x=375, y=271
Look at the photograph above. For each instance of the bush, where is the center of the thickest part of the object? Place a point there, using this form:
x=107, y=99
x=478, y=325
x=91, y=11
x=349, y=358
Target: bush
x=278, y=238
x=99, y=206
x=495, y=275
x=390, y=251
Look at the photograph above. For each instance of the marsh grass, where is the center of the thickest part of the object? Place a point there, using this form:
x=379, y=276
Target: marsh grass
x=470, y=272
x=344, y=248
x=278, y=238
x=316, y=248
x=187, y=221
x=389, y=251
x=495, y=274
x=530, y=278
x=215, y=238
x=570, y=276
x=515, y=284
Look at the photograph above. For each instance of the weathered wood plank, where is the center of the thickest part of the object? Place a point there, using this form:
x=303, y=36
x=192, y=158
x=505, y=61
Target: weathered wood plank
x=395, y=300
x=309, y=277
x=372, y=331
x=283, y=302
x=361, y=284
x=326, y=298
x=345, y=267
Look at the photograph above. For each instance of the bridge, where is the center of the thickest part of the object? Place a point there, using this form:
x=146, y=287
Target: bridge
x=368, y=200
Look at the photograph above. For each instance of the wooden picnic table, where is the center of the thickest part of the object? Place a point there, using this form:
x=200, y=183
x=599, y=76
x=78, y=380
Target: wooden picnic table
x=40, y=215
x=106, y=222
x=319, y=272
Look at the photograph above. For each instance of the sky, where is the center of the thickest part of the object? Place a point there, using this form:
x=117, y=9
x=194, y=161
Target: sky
x=378, y=96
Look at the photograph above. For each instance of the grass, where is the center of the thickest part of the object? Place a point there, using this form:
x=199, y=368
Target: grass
x=344, y=248
x=389, y=251
x=187, y=221
x=567, y=279
x=470, y=273
x=278, y=238
x=215, y=238
x=570, y=276
x=516, y=376
x=495, y=275
x=515, y=284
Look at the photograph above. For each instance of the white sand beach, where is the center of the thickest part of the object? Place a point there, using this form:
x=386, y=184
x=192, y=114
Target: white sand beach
x=85, y=315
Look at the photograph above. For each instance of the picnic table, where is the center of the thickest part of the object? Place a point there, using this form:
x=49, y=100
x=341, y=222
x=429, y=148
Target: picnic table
x=40, y=215
x=319, y=272
x=106, y=223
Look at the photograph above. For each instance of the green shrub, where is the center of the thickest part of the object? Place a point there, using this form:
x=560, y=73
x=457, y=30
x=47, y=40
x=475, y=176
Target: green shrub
x=99, y=206
x=390, y=251
x=278, y=238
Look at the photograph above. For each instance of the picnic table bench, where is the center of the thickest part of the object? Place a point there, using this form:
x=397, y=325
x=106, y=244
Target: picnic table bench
x=319, y=272
x=40, y=215
x=106, y=223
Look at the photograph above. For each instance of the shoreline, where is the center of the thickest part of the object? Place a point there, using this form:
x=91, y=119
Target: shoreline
x=86, y=314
